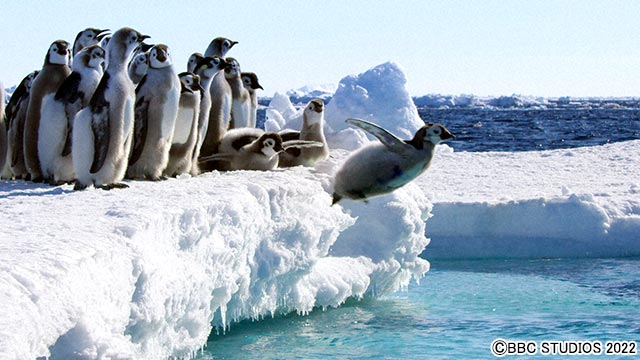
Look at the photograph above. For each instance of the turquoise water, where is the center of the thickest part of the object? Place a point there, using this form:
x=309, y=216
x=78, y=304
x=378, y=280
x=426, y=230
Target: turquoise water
x=456, y=311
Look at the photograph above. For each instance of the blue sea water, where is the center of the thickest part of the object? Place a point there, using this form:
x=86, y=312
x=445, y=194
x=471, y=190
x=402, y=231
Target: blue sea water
x=456, y=312
x=460, y=307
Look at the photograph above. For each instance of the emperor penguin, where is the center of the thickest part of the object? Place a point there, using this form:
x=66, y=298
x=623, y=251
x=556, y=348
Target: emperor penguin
x=219, y=114
x=16, y=114
x=219, y=47
x=220, y=93
x=194, y=59
x=59, y=111
x=240, y=97
x=381, y=167
x=251, y=83
x=103, y=131
x=156, y=109
x=138, y=67
x=252, y=149
x=312, y=130
x=207, y=69
x=185, y=134
x=88, y=37
x=55, y=70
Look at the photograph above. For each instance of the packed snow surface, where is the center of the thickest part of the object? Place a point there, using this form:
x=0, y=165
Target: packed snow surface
x=147, y=272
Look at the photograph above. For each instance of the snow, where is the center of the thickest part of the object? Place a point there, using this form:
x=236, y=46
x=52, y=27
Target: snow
x=147, y=272
x=581, y=202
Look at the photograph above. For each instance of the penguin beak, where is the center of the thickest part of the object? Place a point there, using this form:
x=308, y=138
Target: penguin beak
x=232, y=44
x=143, y=38
x=102, y=34
x=278, y=148
x=162, y=56
x=446, y=135
x=259, y=87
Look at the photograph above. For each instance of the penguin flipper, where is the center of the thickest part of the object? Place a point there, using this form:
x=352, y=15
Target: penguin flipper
x=68, y=92
x=66, y=149
x=216, y=157
x=242, y=141
x=287, y=135
x=140, y=129
x=301, y=144
x=100, y=127
x=391, y=141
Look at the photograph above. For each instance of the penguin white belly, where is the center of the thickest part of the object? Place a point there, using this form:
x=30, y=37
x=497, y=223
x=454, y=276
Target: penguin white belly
x=170, y=113
x=117, y=158
x=184, y=121
x=373, y=170
x=83, y=146
x=240, y=115
x=52, y=133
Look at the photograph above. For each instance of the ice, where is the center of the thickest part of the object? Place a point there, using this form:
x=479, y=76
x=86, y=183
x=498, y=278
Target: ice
x=580, y=202
x=148, y=272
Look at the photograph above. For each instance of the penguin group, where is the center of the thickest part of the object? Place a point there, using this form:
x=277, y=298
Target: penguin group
x=111, y=107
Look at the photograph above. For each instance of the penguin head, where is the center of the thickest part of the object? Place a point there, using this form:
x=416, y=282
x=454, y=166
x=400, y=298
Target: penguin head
x=219, y=46
x=59, y=53
x=141, y=62
x=91, y=57
x=193, y=61
x=233, y=67
x=313, y=112
x=271, y=144
x=250, y=81
x=124, y=42
x=88, y=37
x=190, y=82
x=160, y=57
x=435, y=133
x=209, y=66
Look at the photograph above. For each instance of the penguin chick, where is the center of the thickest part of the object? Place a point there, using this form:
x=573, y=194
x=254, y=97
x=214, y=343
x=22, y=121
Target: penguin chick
x=55, y=70
x=252, y=149
x=103, y=131
x=312, y=130
x=207, y=69
x=219, y=47
x=156, y=109
x=16, y=113
x=240, y=97
x=194, y=59
x=59, y=111
x=88, y=37
x=250, y=81
x=381, y=167
x=185, y=134
x=138, y=67
x=219, y=113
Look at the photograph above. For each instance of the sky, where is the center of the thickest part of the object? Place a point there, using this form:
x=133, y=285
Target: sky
x=486, y=48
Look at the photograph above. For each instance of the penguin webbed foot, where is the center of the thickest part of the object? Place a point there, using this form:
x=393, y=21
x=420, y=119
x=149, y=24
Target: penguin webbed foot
x=113, y=186
x=79, y=186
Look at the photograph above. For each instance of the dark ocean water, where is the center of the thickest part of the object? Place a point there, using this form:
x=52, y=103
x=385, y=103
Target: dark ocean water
x=529, y=129
x=526, y=129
